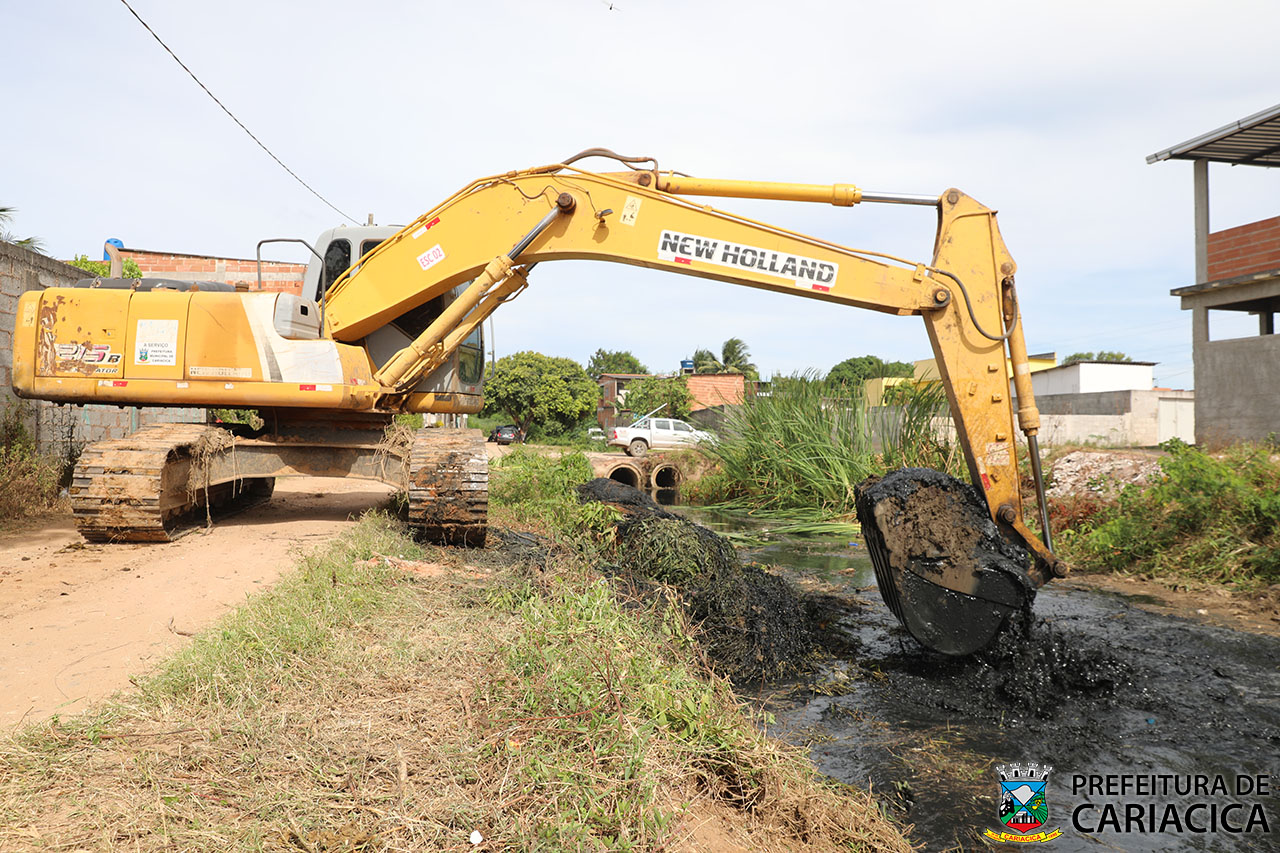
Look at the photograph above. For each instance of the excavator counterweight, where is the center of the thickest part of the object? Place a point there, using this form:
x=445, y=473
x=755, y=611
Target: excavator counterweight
x=390, y=321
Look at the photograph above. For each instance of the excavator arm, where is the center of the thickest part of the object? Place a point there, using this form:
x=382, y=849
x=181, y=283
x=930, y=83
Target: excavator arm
x=493, y=231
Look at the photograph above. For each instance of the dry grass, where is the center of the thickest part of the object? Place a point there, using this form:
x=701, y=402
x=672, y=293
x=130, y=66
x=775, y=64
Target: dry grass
x=377, y=701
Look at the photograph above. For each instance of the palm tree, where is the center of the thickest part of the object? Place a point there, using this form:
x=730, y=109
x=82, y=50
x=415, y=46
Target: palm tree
x=734, y=358
x=35, y=244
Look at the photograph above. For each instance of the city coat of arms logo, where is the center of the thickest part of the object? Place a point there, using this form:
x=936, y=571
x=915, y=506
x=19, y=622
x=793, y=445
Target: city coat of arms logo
x=1024, y=804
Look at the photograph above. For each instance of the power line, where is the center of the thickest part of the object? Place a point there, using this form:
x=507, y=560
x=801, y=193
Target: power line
x=231, y=114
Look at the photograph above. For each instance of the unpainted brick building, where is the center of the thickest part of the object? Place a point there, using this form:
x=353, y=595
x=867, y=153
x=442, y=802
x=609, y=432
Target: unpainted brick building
x=1237, y=365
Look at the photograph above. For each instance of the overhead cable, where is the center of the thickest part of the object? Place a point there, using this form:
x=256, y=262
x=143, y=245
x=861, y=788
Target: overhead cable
x=232, y=115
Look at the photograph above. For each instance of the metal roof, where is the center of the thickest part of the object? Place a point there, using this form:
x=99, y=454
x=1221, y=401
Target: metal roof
x=1251, y=141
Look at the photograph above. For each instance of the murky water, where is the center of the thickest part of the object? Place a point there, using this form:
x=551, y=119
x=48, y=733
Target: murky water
x=1099, y=687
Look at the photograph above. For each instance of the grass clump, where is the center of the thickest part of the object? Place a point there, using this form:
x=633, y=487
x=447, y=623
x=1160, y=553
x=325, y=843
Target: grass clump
x=1214, y=517
x=801, y=450
x=287, y=636
x=531, y=490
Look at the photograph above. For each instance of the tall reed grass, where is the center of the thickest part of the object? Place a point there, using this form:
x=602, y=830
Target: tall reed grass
x=801, y=450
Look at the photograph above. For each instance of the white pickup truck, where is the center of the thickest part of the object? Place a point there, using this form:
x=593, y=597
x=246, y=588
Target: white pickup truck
x=656, y=433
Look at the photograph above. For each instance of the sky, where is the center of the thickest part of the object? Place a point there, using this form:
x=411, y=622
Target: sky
x=1043, y=111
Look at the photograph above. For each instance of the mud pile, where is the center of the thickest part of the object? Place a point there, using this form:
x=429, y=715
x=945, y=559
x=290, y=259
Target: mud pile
x=754, y=625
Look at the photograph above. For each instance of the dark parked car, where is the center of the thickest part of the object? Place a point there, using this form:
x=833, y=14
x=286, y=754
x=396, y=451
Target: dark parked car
x=506, y=434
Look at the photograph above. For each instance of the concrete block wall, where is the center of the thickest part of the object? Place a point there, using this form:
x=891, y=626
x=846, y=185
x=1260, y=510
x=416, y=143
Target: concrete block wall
x=1248, y=248
x=59, y=429
x=1237, y=390
x=1119, y=418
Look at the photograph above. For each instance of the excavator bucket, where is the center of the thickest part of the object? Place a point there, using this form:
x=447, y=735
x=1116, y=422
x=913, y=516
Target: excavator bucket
x=942, y=565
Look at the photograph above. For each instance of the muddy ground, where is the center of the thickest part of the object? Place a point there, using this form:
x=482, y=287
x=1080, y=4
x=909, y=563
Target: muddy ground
x=1105, y=683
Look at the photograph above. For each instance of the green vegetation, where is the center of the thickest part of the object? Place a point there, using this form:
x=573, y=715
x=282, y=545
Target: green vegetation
x=803, y=449
x=614, y=361
x=645, y=395
x=540, y=394
x=1100, y=355
x=248, y=417
x=542, y=487
x=102, y=269
x=1215, y=517
x=734, y=358
x=852, y=372
x=29, y=480
x=376, y=700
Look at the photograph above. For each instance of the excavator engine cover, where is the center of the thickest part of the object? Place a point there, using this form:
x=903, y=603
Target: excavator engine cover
x=942, y=565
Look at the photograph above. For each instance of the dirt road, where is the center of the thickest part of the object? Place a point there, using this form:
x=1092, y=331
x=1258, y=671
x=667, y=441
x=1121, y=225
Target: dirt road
x=77, y=621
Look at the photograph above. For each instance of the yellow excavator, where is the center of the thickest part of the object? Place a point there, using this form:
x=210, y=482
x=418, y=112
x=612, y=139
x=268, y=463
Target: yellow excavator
x=394, y=326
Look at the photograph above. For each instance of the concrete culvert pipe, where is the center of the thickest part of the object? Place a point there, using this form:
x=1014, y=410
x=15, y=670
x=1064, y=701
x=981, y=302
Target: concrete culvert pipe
x=665, y=477
x=627, y=474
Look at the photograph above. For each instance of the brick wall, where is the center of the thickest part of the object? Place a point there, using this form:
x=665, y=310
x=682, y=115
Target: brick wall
x=715, y=389
x=276, y=275
x=59, y=429
x=1249, y=248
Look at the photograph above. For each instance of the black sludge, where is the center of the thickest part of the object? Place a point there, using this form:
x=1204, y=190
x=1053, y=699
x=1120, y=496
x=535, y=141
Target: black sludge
x=942, y=566
x=752, y=624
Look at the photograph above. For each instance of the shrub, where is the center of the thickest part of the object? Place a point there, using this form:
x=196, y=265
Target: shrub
x=1215, y=517
x=806, y=445
x=28, y=479
x=541, y=488
x=102, y=269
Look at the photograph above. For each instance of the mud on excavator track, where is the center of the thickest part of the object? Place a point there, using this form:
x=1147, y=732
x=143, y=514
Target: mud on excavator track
x=449, y=486
x=164, y=480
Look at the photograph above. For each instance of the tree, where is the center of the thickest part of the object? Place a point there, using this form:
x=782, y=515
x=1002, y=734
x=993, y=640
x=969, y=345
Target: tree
x=645, y=395
x=852, y=372
x=533, y=389
x=102, y=269
x=610, y=361
x=735, y=357
x=35, y=244
x=1100, y=355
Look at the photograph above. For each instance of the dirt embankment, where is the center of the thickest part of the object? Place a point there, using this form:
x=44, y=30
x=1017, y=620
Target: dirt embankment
x=78, y=620
x=1103, y=474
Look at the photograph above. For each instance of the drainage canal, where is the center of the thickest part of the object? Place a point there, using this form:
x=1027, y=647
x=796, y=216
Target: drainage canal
x=1097, y=687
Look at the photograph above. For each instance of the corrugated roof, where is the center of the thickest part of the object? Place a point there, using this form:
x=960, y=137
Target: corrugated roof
x=1251, y=141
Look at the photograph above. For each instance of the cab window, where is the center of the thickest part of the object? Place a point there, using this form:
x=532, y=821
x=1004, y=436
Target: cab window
x=681, y=426
x=666, y=425
x=337, y=257
x=471, y=358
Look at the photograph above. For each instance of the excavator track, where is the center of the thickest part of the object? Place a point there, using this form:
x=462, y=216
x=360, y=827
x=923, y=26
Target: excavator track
x=135, y=489
x=449, y=486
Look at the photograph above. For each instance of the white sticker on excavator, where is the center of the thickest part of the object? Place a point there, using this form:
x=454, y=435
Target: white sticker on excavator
x=997, y=454
x=630, y=210
x=156, y=342
x=691, y=249
x=201, y=372
x=431, y=257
